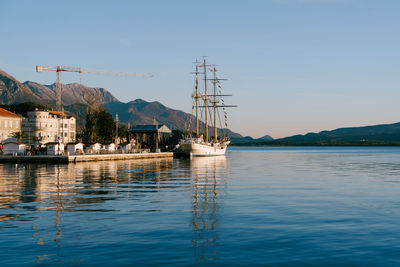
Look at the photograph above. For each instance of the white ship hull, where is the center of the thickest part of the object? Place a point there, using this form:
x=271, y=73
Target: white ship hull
x=196, y=147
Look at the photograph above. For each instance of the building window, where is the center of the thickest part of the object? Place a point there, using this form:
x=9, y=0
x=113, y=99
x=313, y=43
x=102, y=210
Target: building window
x=65, y=125
x=65, y=134
x=16, y=124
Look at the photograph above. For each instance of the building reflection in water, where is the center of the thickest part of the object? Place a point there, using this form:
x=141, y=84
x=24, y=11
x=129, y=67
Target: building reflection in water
x=207, y=173
x=74, y=187
x=7, y=188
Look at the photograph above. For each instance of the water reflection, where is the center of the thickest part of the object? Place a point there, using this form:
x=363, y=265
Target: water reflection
x=64, y=202
x=26, y=189
x=207, y=172
x=260, y=208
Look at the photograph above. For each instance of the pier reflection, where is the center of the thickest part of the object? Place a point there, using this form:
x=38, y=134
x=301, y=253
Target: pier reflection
x=7, y=188
x=207, y=173
x=35, y=189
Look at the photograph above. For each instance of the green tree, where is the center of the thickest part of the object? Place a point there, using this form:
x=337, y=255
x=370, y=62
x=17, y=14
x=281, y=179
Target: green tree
x=18, y=135
x=90, y=135
x=123, y=131
x=105, y=126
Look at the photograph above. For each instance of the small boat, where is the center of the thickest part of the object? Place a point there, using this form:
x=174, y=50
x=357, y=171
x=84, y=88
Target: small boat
x=196, y=144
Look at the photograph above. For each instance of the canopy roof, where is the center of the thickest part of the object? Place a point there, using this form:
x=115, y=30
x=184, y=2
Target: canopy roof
x=150, y=129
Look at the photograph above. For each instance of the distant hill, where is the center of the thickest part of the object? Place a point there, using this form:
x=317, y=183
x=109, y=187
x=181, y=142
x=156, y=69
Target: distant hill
x=73, y=97
x=365, y=134
x=383, y=134
x=266, y=138
x=248, y=139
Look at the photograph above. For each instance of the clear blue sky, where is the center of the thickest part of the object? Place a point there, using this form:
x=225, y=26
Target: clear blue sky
x=294, y=66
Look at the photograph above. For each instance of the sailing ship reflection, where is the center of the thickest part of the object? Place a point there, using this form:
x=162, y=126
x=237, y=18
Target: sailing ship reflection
x=207, y=173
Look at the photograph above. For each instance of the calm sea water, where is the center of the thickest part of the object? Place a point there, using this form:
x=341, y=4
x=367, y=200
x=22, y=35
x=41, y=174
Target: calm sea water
x=291, y=206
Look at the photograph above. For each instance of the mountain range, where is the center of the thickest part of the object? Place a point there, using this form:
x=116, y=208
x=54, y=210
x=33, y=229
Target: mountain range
x=139, y=111
x=74, y=98
x=382, y=133
x=249, y=139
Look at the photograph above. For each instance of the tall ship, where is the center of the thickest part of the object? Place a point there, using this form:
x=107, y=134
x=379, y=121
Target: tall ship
x=201, y=144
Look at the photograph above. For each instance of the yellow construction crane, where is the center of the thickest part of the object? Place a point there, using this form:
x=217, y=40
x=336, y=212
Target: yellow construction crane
x=59, y=69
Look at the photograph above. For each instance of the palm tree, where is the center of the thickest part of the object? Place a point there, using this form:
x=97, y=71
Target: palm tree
x=19, y=135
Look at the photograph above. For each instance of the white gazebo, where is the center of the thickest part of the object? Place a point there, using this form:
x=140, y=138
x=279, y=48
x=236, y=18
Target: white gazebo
x=95, y=148
x=109, y=147
x=14, y=148
x=74, y=148
x=126, y=147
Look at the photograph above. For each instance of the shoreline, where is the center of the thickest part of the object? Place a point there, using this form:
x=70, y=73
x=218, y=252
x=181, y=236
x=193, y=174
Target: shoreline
x=313, y=144
x=81, y=158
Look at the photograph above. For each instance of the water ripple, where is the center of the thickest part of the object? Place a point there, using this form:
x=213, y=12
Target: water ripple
x=267, y=206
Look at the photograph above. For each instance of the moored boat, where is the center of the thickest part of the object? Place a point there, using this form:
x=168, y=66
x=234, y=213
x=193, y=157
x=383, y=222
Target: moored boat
x=198, y=147
x=202, y=145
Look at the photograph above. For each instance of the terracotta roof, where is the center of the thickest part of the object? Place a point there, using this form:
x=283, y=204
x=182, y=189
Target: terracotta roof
x=6, y=113
x=59, y=113
x=17, y=143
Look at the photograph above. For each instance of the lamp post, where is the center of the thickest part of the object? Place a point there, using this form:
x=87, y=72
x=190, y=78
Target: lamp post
x=116, y=129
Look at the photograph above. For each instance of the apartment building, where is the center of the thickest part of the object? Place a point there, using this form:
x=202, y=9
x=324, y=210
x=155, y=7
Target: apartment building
x=9, y=124
x=41, y=127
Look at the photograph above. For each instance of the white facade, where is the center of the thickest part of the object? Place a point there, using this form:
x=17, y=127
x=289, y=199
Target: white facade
x=41, y=127
x=9, y=123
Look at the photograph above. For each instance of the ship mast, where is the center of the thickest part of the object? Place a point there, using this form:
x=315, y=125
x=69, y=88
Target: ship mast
x=215, y=105
x=197, y=101
x=205, y=98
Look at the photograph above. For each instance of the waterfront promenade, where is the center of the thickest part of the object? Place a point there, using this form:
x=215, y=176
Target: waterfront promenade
x=81, y=158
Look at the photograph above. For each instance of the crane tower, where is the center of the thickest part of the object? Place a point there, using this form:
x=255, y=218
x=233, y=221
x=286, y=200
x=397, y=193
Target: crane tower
x=59, y=69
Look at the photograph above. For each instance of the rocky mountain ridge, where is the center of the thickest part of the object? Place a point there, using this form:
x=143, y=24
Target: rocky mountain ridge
x=74, y=95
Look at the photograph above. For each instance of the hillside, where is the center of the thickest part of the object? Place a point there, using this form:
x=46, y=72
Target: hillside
x=142, y=112
x=383, y=134
x=71, y=93
x=376, y=133
x=249, y=139
x=12, y=91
